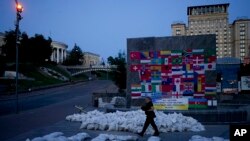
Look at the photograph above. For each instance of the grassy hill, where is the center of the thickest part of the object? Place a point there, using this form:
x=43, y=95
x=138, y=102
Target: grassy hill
x=40, y=79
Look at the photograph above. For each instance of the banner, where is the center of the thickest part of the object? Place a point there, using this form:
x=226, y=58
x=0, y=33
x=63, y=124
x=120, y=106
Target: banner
x=171, y=104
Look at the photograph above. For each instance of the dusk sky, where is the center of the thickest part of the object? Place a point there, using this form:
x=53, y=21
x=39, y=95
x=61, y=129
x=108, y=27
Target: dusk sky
x=102, y=26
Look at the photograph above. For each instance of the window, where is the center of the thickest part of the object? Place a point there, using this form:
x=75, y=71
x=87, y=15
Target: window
x=242, y=41
x=242, y=46
x=242, y=37
x=242, y=25
x=242, y=50
x=242, y=33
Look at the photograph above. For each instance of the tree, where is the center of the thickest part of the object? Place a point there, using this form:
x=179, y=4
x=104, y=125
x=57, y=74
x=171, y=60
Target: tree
x=40, y=49
x=75, y=56
x=35, y=49
x=9, y=48
x=120, y=74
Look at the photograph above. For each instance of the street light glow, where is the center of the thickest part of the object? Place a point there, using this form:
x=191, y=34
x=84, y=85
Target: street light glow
x=19, y=8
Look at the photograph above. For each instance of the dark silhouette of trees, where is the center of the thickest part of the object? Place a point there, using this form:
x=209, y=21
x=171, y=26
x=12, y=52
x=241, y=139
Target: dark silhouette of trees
x=33, y=50
x=120, y=74
x=75, y=57
x=40, y=48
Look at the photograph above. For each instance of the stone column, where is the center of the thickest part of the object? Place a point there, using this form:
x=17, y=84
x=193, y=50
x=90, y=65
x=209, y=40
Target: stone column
x=57, y=55
x=65, y=54
x=62, y=55
x=52, y=55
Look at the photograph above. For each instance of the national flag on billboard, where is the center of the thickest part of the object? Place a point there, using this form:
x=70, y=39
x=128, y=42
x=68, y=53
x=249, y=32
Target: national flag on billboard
x=187, y=67
x=210, y=89
x=188, y=74
x=188, y=89
x=199, y=103
x=135, y=55
x=187, y=52
x=177, y=84
x=166, y=81
x=135, y=90
x=198, y=59
x=146, y=87
x=155, y=67
x=166, y=68
x=176, y=53
x=156, y=88
x=146, y=75
x=145, y=61
x=176, y=60
x=135, y=68
x=199, y=94
x=188, y=80
x=211, y=59
x=156, y=75
x=176, y=68
x=167, y=88
x=154, y=54
x=176, y=94
x=167, y=61
x=198, y=51
x=210, y=66
x=165, y=53
x=157, y=61
x=145, y=55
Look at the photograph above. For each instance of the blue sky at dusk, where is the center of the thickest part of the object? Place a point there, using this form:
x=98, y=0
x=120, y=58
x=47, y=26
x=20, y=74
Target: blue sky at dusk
x=102, y=26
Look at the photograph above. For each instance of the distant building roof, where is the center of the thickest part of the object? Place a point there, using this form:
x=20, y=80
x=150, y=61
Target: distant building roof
x=228, y=60
x=91, y=54
x=241, y=19
x=199, y=6
x=60, y=43
x=178, y=23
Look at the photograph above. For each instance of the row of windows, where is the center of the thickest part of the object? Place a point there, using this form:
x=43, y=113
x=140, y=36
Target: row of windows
x=242, y=50
x=205, y=10
x=242, y=54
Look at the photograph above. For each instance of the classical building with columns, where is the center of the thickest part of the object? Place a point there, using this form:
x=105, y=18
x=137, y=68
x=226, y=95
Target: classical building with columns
x=59, y=52
x=91, y=59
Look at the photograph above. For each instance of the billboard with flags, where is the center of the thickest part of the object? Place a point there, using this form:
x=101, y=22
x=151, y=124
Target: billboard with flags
x=165, y=73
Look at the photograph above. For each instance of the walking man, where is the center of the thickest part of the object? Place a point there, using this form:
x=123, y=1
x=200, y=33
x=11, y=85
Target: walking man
x=149, y=111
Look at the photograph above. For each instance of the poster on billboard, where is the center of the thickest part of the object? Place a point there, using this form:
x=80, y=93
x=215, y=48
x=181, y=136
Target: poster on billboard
x=218, y=87
x=245, y=82
x=171, y=104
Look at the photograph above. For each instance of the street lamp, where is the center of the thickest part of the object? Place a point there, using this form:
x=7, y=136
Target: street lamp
x=19, y=10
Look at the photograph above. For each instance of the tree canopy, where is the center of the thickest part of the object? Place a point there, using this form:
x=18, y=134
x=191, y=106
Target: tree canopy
x=120, y=74
x=35, y=49
x=75, y=56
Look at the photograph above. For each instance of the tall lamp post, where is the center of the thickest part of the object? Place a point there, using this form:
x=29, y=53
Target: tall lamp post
x=19, y=10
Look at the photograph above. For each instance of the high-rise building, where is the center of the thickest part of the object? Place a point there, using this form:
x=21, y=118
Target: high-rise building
x=241, y=38
x=213, y=19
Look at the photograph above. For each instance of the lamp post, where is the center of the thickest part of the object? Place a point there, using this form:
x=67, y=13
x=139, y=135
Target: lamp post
x=19, y=10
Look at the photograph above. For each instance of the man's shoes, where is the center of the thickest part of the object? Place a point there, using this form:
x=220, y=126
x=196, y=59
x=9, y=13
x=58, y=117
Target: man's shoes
x=140, y=134
x=156, y=134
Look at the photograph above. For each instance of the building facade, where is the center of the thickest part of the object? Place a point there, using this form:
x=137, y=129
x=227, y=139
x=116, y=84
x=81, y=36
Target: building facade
x=91, y=59
x=213, y=19
x=59, y=52
x=241, y=39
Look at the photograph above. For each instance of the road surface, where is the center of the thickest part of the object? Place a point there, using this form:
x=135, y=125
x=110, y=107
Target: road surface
x=45, y=107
